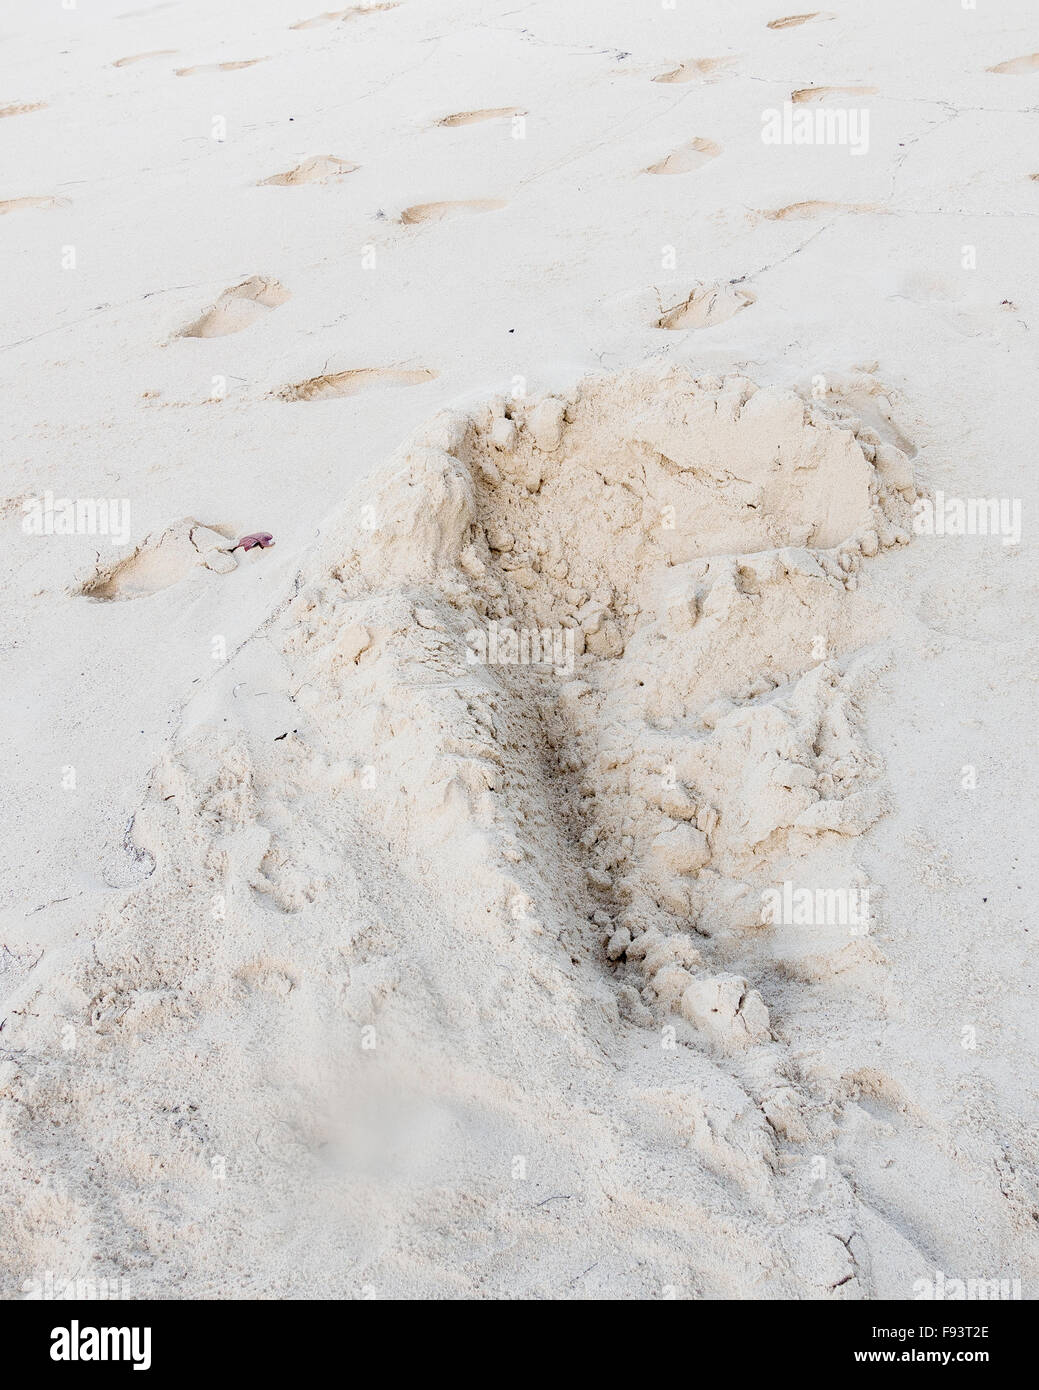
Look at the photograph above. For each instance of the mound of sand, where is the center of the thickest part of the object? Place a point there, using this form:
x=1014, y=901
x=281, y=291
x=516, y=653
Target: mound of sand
x=453, y=951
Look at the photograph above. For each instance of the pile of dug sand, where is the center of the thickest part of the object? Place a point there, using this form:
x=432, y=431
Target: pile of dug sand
x=452, y=976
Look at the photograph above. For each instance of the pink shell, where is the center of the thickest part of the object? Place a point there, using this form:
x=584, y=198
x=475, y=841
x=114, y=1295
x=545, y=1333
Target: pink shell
x=261, y=538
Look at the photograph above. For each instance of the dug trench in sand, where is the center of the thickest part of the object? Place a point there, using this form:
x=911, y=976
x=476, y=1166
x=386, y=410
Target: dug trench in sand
x=315, y=1054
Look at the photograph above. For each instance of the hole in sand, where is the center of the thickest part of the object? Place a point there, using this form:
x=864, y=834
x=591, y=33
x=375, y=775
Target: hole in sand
x=219, y=67
x=341, y=16
x=319, y=168
x=490, y=113
x=695, y=69
x=140, y=57
x=821, y=94
x=705, y=306
x=333, y=384
x=161, y=560
x=20, y=204
x=806, y=212
x=687, y=158
x=1018, y=66
x=438, y=212
x=239, y=307
x=791, y=21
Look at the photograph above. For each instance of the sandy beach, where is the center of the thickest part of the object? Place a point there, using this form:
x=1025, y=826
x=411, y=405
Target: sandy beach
x=581, y=846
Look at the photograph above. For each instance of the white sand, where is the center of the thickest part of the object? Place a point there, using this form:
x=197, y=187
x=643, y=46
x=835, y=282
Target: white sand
x=338, y=962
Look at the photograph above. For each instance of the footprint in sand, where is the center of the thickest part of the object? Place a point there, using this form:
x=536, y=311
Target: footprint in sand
x=705, y=306
x=437, y=212
x=791, y=21
x=239, y=307
x=695, y=69
x=805, y=212
x=341, y=16
x=21, y=108
x=319, y=168
x=18, y=204
x=333, y=384
x=490, y=113
x=1018, y=66
x=820, y=94
x=155, y=53
x=160, y=560
x=687, y=158
x=219, y=67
